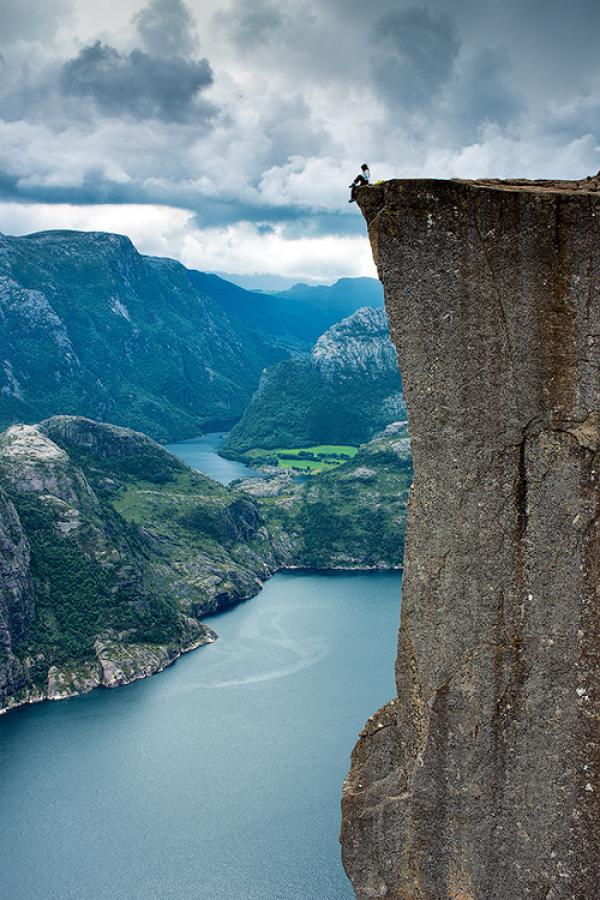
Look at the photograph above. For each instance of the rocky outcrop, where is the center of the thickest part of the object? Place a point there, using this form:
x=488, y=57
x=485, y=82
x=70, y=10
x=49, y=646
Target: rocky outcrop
x=359, y=344
x=111, y=552
x=482, y=779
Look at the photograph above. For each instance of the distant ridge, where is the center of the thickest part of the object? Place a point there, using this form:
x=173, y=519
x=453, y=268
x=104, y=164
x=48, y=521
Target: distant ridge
x=89, y=326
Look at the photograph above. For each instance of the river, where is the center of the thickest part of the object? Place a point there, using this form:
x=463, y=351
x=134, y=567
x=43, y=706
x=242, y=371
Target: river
x=220, y=778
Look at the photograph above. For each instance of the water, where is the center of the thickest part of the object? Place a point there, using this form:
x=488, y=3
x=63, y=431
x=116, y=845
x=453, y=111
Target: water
x=200, y=453
x=220, y=778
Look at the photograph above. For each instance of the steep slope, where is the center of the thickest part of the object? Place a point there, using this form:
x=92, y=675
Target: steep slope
x=16, y=597
x=89, y=326
x=482, y=779
x=348, y=389
x=111, y=550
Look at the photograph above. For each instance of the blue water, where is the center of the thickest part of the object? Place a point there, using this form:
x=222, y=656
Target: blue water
x=220, y=778
x=200, y=453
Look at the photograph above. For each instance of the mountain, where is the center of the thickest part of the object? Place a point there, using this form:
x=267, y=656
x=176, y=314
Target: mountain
x=111, y=551
x=348, y=389
x=89, y=326
x=296, y=317
x=353, y=517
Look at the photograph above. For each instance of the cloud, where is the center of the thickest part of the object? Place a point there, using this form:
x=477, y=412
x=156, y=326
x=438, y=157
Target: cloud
x=139, y=84
x=484, y=92
x=167, y=28
x=30, y=20
x=241, y=248
x=259, y=144
x=251, y=22
x=413, y=52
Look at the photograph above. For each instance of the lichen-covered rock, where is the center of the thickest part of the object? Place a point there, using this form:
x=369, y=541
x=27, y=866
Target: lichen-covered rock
x=482, y=780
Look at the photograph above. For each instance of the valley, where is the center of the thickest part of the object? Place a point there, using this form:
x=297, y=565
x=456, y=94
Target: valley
x=305, y=460
x=120, y=555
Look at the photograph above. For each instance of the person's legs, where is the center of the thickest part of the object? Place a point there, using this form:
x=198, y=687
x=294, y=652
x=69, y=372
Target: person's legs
x=359, y=181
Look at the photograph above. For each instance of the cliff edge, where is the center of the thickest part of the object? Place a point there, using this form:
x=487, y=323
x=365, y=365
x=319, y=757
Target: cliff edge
x=482, y=779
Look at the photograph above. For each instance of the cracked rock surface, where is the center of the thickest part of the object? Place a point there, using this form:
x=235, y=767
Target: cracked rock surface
x=482, y=779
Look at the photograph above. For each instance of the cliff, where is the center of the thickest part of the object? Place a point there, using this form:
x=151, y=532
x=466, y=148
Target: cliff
x=482, y=779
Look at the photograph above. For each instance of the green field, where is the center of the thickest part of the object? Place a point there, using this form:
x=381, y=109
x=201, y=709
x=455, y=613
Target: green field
x=308, y=460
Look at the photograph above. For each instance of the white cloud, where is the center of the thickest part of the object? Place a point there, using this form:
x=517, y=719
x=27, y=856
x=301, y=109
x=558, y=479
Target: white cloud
x=301, y=99
x=165, y=231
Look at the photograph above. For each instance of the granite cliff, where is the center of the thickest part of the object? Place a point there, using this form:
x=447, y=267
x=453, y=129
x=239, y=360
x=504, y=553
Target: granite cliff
x=482, y=778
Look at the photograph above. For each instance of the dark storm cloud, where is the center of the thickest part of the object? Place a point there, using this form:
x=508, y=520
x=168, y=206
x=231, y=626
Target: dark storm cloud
x=30, y=20
x=297, y=220
x=306, y=91
x=484, y=92
x=167, y=28
x=139, y=84
x=413, y=52
x=288, y=125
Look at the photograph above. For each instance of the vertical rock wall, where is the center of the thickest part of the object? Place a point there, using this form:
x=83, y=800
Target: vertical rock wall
x=482, y=779
x=16, y=596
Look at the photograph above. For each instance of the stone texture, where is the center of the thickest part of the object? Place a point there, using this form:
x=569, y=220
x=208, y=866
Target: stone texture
x=359, y=344
x=16, y=596
x=482, y=779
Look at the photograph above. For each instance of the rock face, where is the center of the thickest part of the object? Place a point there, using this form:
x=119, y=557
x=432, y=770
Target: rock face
x=16, y=596
x=482, y=779
x=359, y=344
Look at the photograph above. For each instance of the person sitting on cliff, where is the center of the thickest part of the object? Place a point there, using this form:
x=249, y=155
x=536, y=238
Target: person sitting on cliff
x=363, y=177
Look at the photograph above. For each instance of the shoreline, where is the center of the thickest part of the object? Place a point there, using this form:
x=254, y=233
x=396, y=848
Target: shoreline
x=167, y=655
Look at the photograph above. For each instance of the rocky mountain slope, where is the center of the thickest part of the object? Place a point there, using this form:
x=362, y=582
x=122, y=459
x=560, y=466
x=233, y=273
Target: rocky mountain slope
x=482, y=778
x=347, y=390
x=90, y=327
x=111, y=551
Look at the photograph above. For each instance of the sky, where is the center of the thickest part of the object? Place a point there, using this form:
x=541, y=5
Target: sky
x=224, y=133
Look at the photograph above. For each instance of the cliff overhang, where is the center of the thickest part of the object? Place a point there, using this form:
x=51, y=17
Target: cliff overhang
x=482, y=778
